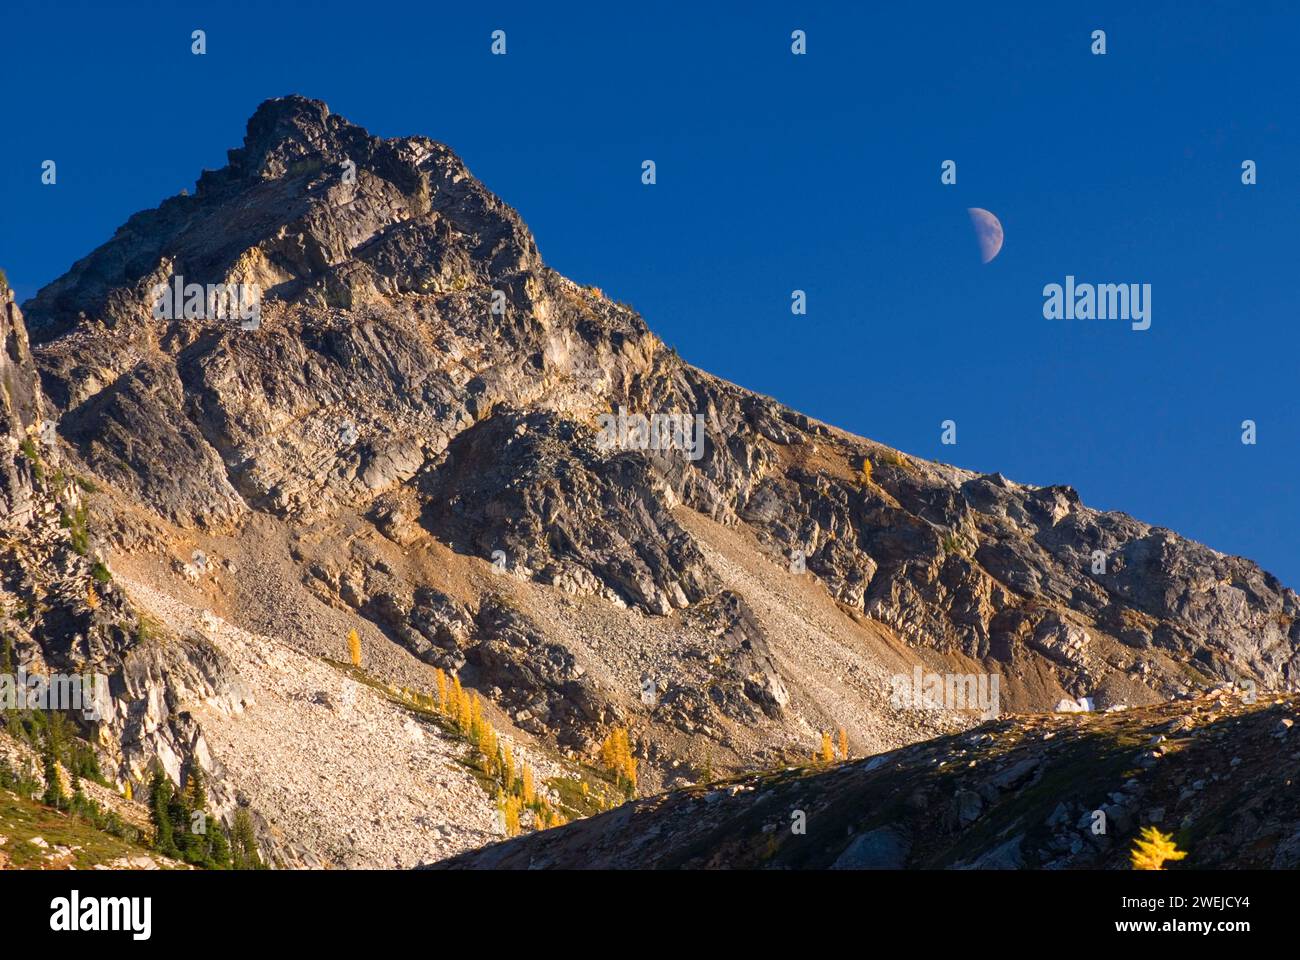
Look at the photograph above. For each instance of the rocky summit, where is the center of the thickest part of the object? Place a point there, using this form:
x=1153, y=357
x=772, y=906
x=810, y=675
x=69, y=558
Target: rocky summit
x=410, y=457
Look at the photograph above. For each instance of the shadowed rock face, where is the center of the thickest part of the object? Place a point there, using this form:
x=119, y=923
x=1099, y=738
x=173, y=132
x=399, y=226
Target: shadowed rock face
x=417, y=365
x=536, y=488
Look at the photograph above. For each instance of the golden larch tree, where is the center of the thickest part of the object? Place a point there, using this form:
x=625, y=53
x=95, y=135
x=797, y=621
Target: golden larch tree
x=507, y=767
x=827, y=752
x=616, y=756
x=354, y=647
x=1153, y=848
x=509, y=807
x=441, y=677
x=529, y=790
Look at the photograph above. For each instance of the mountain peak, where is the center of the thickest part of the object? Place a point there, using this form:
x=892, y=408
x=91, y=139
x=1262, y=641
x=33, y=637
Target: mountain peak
x=490, y=471
x=311, y=209
x=284, y=129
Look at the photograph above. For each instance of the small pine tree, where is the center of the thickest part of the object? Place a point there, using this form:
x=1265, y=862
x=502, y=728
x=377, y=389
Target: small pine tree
x=178, y=816
x=160, y=796
x=218, y=848
x=195, y=795
x=12, y=722
x=1153, y=848
x=79, y=804
x=196, y=847
x=354, y=647
x=56, y=733
x=244, y=853
x=54, y=795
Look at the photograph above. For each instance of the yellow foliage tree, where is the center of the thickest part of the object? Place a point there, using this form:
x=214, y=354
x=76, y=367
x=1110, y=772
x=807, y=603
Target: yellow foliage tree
x=844, y=744
x=476, y=721
x=354, y=647
x=441, y=677
x=827, y=752
x=866, y=471
x=1153, y=848
x=529, y=791
x=459, y=704
x=92, y=598
x=616, y=755
x=496, y=758
x=507, y=767
x=509, y=807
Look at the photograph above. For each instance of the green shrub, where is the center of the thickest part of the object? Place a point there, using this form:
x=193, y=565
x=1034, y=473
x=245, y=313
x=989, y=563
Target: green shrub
x=76, y=523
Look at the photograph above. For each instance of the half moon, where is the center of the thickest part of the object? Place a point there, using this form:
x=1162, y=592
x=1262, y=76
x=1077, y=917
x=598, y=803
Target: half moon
x=988, y=232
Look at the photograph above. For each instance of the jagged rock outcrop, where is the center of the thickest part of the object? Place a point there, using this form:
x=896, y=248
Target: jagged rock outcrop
x=63, y=614
x=20, y=415
x=536, y=488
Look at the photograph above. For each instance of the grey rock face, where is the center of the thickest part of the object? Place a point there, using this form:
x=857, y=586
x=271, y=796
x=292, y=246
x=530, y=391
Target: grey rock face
x=65, y=614
x=20, y=416
x=881, y=849
x=536, y=488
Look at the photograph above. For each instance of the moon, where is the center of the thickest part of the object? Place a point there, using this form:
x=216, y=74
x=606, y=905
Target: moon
x=988, y=232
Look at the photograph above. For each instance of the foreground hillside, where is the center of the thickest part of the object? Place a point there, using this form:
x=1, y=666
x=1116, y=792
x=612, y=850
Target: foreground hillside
x=1221, y=775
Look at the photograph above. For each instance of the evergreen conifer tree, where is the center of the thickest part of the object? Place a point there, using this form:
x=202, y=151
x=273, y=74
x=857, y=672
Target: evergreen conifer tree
x=54, y=795
x=244, y=843
x=160, y=795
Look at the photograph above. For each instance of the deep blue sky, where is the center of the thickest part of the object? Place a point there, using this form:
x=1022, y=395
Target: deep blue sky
x=779, y=172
